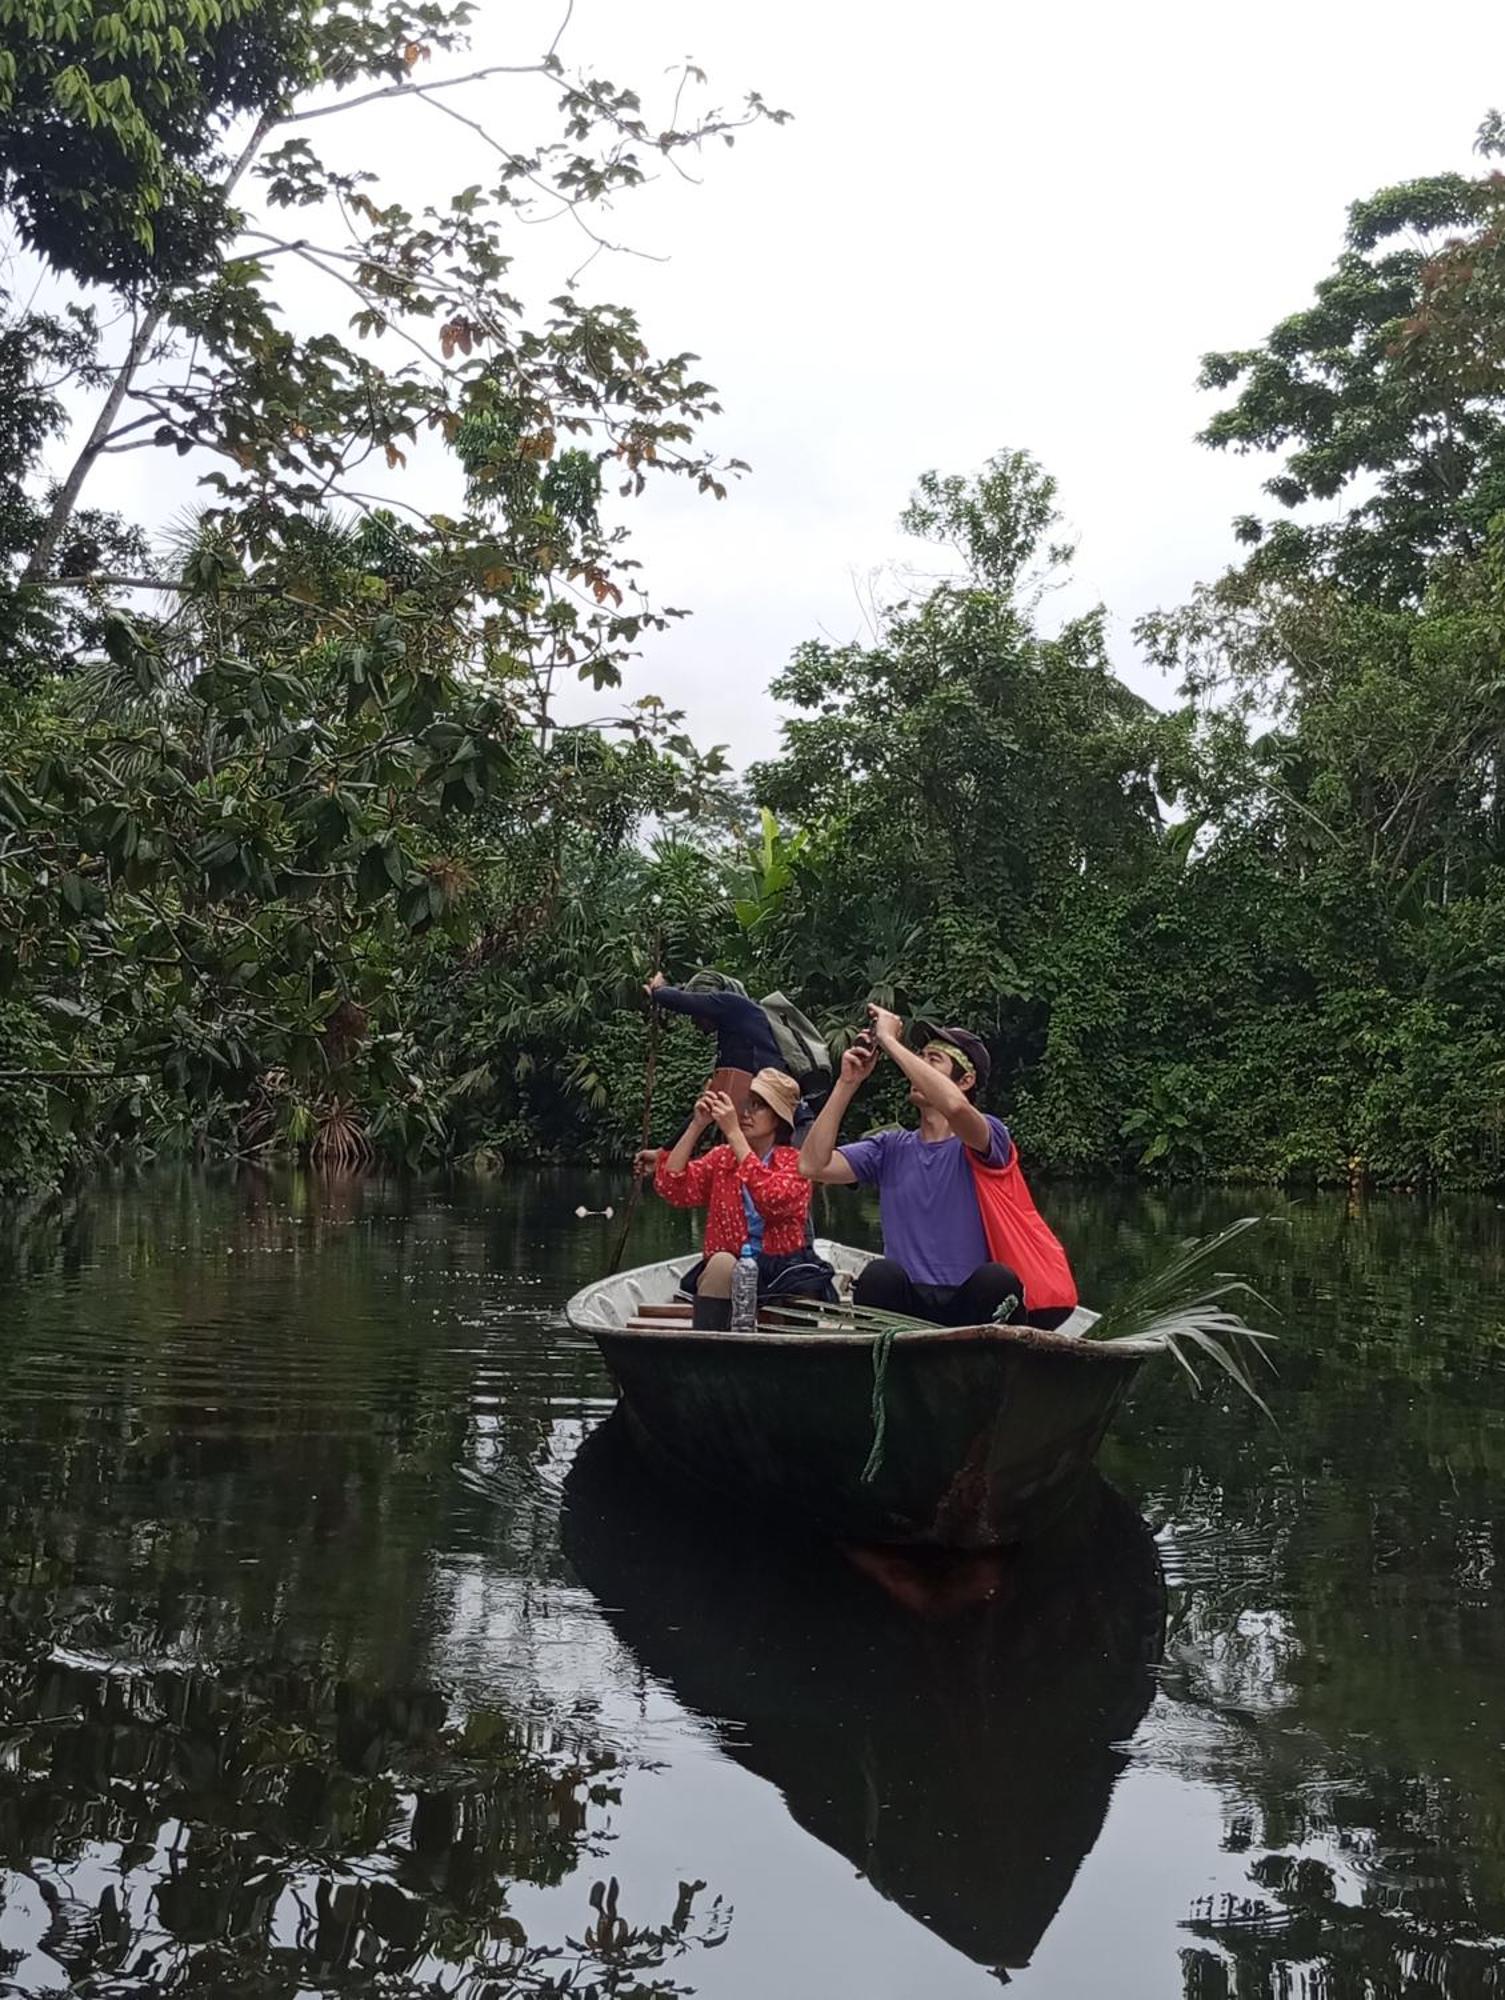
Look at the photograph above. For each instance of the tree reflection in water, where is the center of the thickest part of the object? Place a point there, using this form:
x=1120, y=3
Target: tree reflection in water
x=247, y=1830
x=1337, y=1648
x=226, y=1768
x=1295, y=1937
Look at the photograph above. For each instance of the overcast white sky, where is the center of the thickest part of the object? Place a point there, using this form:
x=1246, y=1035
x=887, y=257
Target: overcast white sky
x=988, y=225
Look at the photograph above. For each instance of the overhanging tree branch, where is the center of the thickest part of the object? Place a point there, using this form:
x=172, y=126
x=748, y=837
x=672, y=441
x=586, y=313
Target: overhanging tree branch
x=548, y=67
x=39, y=562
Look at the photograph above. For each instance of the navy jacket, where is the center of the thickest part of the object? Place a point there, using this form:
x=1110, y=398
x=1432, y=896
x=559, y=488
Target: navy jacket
x=744, y=1040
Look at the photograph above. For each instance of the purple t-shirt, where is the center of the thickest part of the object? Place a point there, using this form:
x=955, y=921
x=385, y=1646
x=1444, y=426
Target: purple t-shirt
x=927, y=1200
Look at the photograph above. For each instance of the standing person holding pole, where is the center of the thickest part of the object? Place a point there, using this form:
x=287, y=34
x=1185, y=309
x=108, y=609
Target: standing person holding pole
x=745, y=1041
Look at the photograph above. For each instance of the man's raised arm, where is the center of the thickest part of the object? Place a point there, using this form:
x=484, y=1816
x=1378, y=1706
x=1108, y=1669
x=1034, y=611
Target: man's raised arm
x=819, y=1159
x=946, y=1097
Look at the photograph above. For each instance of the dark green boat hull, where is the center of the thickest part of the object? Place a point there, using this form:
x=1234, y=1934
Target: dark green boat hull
x=988, y=1431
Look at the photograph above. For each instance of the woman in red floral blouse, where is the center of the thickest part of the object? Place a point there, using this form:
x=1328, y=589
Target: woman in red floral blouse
x=754, y=1194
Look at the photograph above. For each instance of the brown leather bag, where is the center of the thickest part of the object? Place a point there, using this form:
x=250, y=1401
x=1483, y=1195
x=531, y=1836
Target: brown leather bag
x=735, y=1082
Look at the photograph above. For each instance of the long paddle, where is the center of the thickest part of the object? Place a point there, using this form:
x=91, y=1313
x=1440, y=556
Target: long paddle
x=650, y=1072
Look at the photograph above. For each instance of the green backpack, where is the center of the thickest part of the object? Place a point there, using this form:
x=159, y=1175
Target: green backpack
x=710, y=981
x=806, y=1056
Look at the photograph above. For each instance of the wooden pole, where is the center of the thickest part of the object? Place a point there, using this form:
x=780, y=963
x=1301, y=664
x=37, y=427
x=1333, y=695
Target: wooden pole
x=650, y=1073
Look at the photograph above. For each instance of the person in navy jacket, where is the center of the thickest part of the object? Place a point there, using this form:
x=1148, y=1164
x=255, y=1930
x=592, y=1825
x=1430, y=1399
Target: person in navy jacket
x=744, y=1039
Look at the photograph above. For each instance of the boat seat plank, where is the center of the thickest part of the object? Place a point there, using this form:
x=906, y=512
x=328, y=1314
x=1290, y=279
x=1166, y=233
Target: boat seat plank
x=650, y=1321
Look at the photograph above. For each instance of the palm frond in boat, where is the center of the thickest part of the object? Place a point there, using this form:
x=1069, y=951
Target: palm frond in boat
x=1174, y=1309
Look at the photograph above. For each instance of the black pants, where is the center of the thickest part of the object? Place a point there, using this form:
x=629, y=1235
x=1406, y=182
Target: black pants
x=888, y=1287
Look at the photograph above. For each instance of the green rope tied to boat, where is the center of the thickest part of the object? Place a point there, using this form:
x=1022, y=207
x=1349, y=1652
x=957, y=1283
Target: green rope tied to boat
x=882, y=1346
x=881, y=1328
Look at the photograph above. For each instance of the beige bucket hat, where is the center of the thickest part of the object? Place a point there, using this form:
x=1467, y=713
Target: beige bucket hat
x=779, y=1092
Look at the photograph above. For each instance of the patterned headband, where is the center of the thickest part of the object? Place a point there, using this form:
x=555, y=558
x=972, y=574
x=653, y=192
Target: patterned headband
x=963, y=1063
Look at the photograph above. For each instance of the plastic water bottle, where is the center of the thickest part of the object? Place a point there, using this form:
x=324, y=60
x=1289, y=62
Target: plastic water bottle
x=745, y=1293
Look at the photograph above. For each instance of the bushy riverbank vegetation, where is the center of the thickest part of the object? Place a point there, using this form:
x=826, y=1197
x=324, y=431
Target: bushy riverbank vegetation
x=295, y=851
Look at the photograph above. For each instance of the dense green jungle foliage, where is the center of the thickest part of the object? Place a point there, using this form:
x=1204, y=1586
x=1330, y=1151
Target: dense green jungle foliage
x=295, y=853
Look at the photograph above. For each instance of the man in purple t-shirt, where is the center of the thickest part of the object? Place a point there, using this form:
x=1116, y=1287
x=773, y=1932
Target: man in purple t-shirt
x=935, y=1263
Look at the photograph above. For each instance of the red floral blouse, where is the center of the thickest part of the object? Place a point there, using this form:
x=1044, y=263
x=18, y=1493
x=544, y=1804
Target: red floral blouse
x=715, y=1181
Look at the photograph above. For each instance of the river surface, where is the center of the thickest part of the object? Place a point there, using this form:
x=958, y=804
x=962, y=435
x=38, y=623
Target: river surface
x=343, y=1650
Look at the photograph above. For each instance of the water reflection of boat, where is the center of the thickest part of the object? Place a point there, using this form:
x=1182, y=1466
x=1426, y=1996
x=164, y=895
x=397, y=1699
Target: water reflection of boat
x=963, y=1762
x=990, y=1428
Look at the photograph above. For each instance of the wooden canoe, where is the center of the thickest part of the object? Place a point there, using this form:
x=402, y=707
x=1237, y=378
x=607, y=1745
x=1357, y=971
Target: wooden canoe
x=989, y=1430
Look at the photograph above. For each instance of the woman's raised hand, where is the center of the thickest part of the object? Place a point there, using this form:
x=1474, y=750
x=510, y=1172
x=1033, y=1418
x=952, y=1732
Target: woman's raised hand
x=723, y=1111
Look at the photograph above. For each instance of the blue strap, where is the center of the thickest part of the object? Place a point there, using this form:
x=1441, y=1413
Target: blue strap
x=754, y=1238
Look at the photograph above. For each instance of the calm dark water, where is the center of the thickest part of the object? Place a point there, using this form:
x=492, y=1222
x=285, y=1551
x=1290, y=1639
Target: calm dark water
x=330, y=1663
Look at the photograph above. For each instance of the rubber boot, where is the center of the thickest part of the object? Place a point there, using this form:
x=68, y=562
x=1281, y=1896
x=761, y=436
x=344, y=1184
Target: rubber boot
x=711, y=1315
